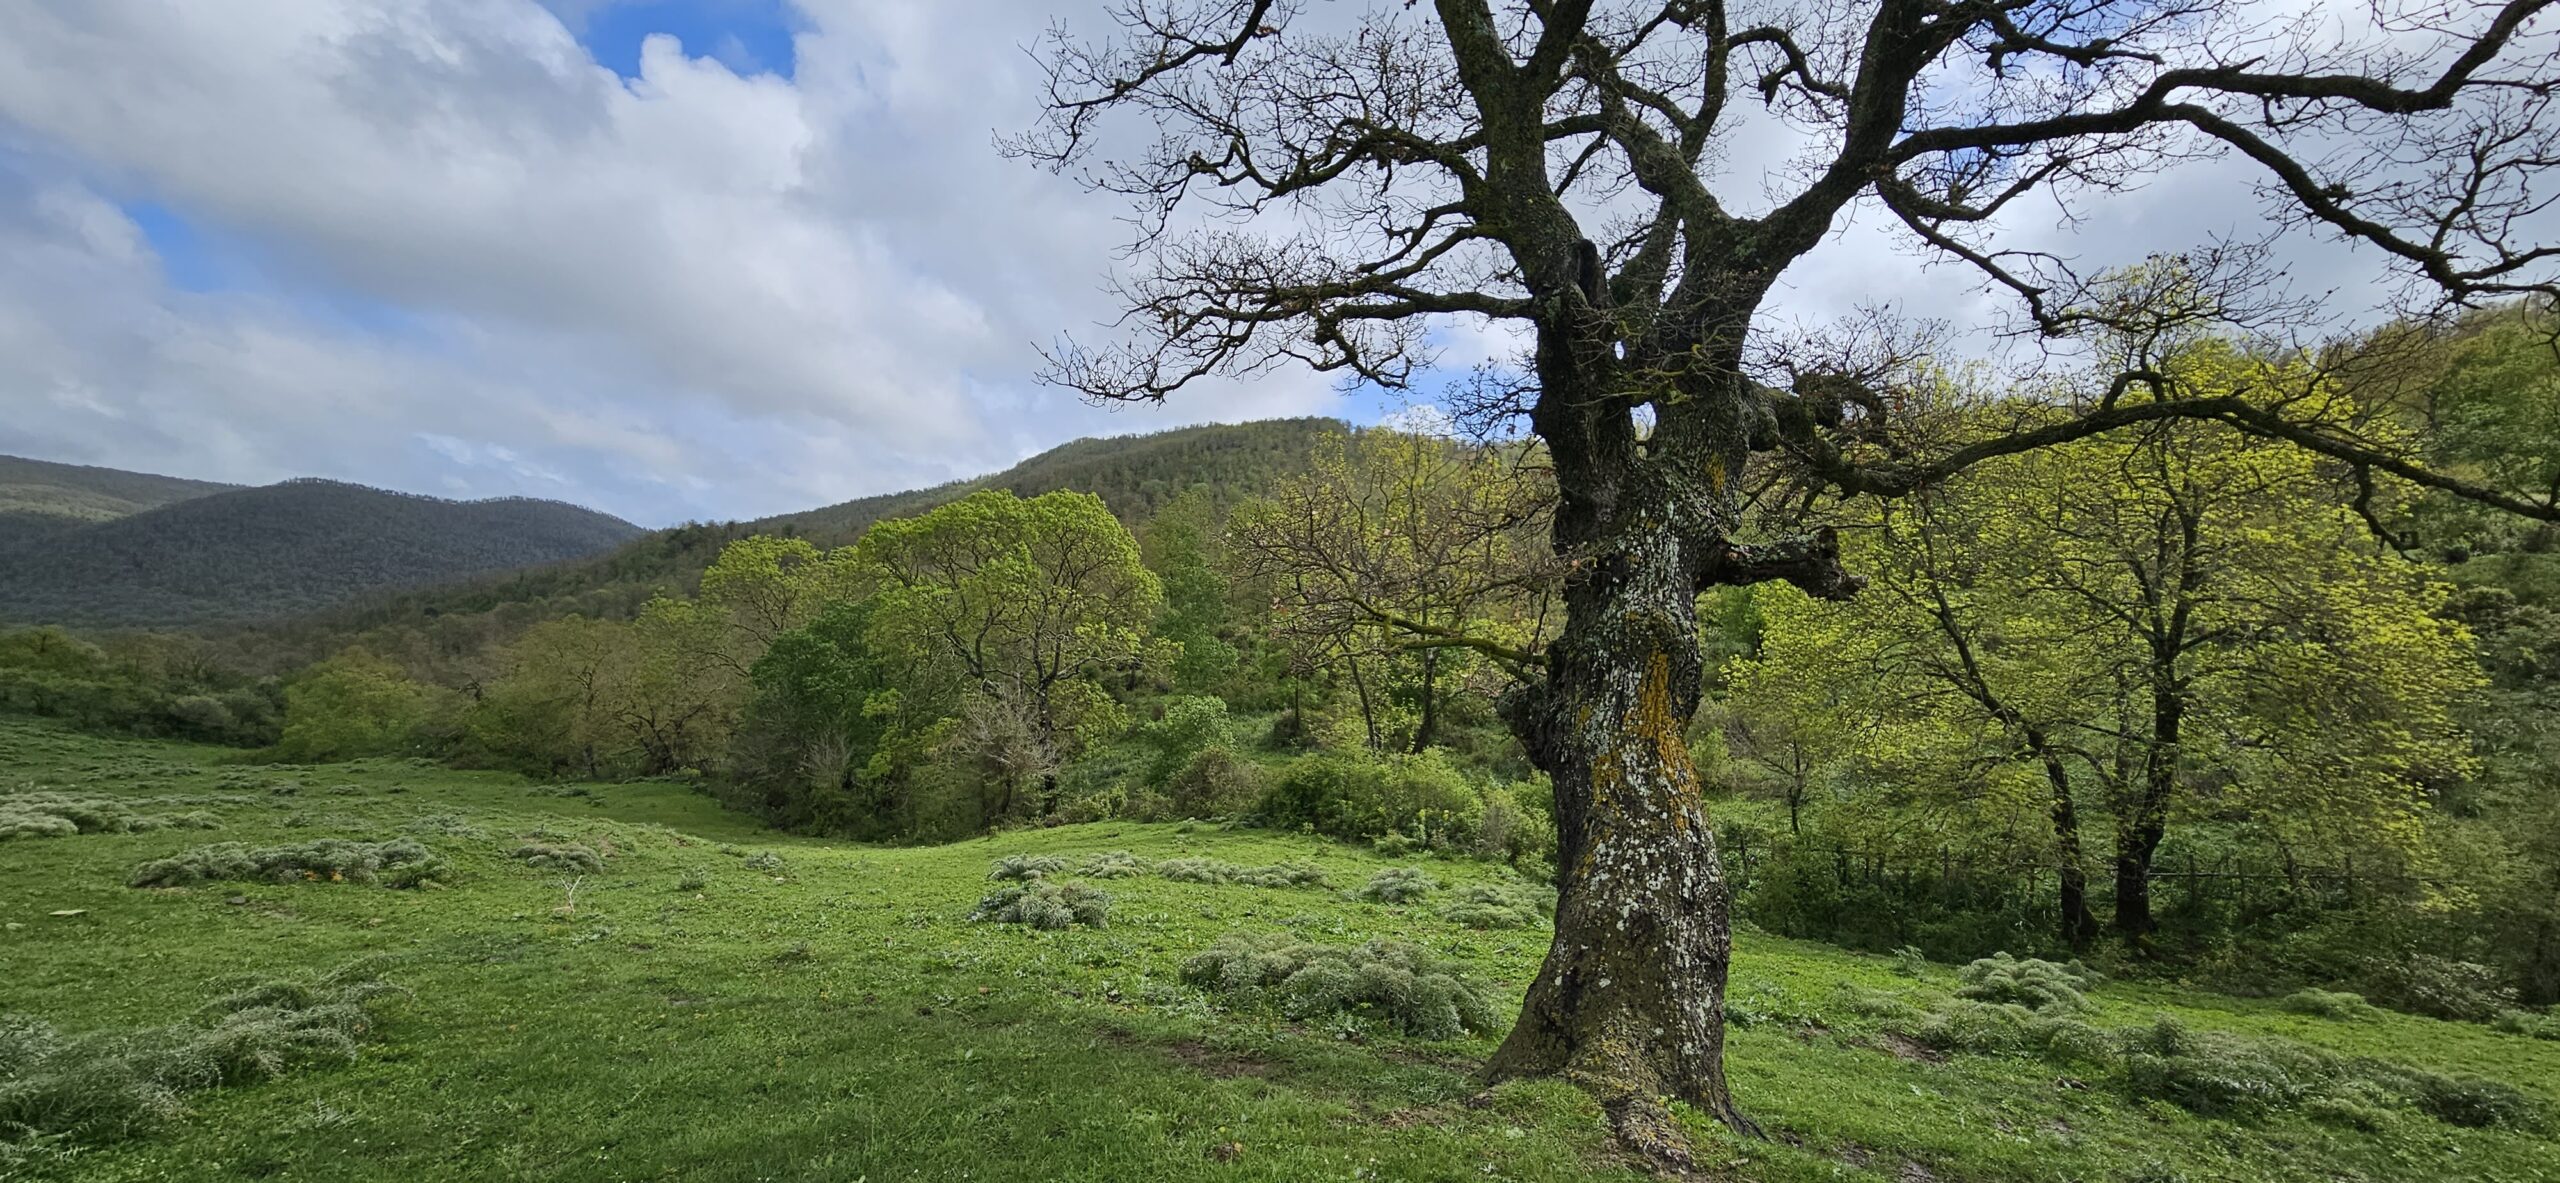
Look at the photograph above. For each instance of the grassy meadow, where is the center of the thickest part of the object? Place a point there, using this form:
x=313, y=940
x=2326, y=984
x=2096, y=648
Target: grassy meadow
x=722, y=1002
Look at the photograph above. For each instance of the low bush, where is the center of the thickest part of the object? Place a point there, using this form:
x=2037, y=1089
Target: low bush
x=2228, y=1075
x=1384, y=981
x=2012, y=1029
x=2031, y=982
x=1043, y=904
x=2438, y=986
x=59, y=1091
x=568, y=859
x=2328, y=1004
x=399, y=863
x=765, y=861
x=1027, y=866
x=1499, y=905
x=1398, y=885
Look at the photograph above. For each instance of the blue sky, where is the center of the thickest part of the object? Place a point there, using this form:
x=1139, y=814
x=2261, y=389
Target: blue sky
x=676, y=259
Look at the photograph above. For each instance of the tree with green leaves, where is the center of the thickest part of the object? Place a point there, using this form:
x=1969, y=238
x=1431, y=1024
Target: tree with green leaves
x=1562, y=167
x=1402, y=550
x=2179, y=621
x=1024, y=600
x=354, y=704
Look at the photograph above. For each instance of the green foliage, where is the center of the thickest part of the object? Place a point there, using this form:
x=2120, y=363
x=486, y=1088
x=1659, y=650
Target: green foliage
x=354, y=704
x=1027, y=866
x=399, y=863
x=1363, y=796
x=2030, y=982
x=2545, y=1025
x=1499, y=905
x=567, y=858
x=1044, y=904
x=2328, y=1004
x=59, y=1091
x=1387, y=981
x=2441, y=986
x=1398, y=885
x=137, y=685
x=2010, y=1029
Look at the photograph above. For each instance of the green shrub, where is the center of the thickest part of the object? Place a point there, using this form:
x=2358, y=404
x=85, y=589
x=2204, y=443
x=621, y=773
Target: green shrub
x=1879, y=1004
x=59, y=1090
x=1398, y=885
x=2216, y=1074
x=2438, y=986
x=1499, y=905
x=1910, y=962
x=1044, y=904
x=400, y=862
x=570, y=859
x=1387, y=981
x=765, y=861
x=1395, y=845
x=449, y=825
x=1027, y=866
x=2328, y=1004
x=1117, y=864
x=2545, y=1025
x=692, y=881
x=2030, y=982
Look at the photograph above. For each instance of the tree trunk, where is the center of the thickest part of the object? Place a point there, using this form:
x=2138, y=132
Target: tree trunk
x=1630, y=1002
x=2138, y=836
x=2079, y=924
x=2136, y=843
x=1424, y=731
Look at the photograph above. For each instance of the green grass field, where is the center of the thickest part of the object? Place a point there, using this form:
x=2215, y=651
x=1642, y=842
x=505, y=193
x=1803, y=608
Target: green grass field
x=701, y=1013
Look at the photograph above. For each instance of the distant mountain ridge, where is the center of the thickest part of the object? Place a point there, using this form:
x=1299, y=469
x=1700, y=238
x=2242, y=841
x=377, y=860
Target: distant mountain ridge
x=41, y=497
x=304, y=545
x=430, y=627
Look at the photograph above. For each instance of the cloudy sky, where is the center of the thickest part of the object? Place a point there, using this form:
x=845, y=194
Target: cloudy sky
x=671, y=258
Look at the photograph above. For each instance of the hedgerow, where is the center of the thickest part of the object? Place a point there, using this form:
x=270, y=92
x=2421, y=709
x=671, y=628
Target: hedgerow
x=1387, y=981
x=399, y=863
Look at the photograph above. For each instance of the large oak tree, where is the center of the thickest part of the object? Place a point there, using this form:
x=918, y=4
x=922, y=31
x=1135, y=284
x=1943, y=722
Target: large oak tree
x=1317, y=188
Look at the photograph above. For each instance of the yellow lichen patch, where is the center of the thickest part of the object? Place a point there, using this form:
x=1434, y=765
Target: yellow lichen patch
x=1657, y=722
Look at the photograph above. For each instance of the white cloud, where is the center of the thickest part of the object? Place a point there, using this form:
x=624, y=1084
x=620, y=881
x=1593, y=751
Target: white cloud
x=690, y=293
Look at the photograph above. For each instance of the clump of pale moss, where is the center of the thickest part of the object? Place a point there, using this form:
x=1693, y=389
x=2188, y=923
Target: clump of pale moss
x=60, y=815
x=2030, y=982
x=1398, y=885
x=1117, y=864
x=1390, y=982
x=400, y=862
x=59, y=1091
x=1027, y=866
x=1499, y=905
x=1044, y=904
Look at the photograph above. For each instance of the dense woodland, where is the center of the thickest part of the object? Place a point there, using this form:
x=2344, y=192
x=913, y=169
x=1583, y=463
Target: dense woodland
x=285, y=549
x=2174, y=698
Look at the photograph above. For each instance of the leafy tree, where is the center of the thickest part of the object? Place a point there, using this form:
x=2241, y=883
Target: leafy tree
x=557, y=707
x=1396, y=547
x=1023, y=598
x=1184, y=545
x=820, y=707
x=1560, y=166
x=2185, y=620
x=354, y=704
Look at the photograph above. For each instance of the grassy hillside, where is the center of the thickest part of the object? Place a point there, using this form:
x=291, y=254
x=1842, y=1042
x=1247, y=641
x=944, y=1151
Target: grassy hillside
x=281, y=549
x=39, y=497
x=427, y=626
x=719, y=1003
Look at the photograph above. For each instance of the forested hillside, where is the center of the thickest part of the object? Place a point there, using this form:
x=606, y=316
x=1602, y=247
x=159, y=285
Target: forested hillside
x=456, y=628
x=298, y=546
x=39, y=497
